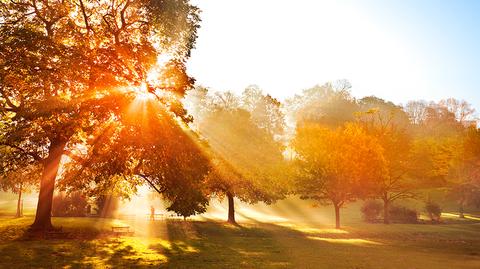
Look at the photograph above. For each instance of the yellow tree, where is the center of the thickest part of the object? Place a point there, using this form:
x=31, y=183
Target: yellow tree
x=390, y=125
x=434, y=159
x=336, y=166
x=20, y=181
x=465, y=177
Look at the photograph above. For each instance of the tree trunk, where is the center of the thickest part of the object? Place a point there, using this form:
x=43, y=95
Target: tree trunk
x=50, y=168
x=231, y=209
x=461, y=211
x=386, y=211
x=337, y=216
x=19, y=203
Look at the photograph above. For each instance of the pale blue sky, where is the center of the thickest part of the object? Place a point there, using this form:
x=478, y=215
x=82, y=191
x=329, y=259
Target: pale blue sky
x=398, y=50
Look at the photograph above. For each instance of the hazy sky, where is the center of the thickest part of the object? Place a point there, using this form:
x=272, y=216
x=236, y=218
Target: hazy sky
x=398, y=50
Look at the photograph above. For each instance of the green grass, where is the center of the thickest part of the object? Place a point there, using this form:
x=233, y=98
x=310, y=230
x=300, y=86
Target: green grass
x=210, y=244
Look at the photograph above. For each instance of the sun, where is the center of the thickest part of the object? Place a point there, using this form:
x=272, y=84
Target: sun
x=142, y=94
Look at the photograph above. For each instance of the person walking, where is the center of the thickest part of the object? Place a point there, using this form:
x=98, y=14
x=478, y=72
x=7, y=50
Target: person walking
x=152, y=213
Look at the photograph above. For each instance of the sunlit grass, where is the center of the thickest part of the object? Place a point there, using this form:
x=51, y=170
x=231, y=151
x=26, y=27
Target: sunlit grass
x=214, y=244
x=300, y=236
x=466, y=216
x=353, y=241
x=309, y=230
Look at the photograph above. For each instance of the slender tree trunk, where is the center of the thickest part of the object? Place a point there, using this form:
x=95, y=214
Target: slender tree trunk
x=337, y=215
x=19, y=203
x=231, y=209
x=386, y=211
x=50, y=168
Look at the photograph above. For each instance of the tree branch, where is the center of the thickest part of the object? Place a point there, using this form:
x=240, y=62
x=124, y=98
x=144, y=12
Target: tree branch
x=35, y=156
x=150, y=183
x=85, y=17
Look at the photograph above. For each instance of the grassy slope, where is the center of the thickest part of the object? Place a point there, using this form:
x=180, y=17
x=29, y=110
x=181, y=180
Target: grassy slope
x=197, y=244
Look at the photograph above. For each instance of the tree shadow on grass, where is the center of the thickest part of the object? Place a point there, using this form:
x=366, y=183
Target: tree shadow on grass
x=100, y=253
x=81, y=247
x=184, y=244
x=198, y=244
x=173, y=244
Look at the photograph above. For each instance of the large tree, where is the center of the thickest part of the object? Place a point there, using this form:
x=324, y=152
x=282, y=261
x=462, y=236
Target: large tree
x=390, y=125
x=463, y=111
x=148, y=146
x=265, y=110
x=19, y=181
x=329, y=104
x=433, y=159
x=437, y=119
x=444, y=149
x=247, y=159
x=69, y=67
x=465, y=177
x=337, y=166
x=18, y=174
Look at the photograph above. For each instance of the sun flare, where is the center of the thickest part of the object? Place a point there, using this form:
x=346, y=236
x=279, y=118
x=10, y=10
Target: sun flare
x=142, y=94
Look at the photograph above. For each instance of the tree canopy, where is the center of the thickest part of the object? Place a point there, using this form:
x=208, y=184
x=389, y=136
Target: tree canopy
x=338, y=165
x=240, y=132
x=70, y=68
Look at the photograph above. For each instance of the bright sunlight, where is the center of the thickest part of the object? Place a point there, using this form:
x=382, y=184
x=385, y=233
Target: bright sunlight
x=239, y=134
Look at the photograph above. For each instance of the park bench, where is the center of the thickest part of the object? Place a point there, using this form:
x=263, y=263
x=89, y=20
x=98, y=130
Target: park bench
x=122, y=230
x=57, y=233
x=174, y=216
x=159, y=216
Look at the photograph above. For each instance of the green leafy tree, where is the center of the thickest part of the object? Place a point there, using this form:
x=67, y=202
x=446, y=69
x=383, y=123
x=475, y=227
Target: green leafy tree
x=264, y=110
x=69, y=67
x=330, y=104
x=150, y=146
x=69, y=205
x=247, y=161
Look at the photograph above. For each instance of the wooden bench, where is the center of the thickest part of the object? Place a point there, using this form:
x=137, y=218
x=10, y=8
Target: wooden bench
x=122, y=230
x=159, y=216
x=57, y=233
x=174, y=217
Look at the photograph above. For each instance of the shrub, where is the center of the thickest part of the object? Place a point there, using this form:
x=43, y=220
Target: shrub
x=433, y=210
x=371, y=210
x=69, y=205
x=401, y=214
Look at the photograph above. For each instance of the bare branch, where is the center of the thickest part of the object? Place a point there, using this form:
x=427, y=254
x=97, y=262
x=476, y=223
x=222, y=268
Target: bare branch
x=85, y=17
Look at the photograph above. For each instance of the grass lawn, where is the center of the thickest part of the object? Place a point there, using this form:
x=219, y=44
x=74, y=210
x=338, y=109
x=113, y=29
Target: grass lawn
x=211, y=244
